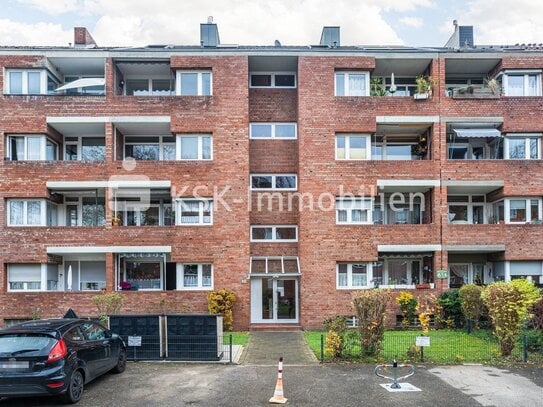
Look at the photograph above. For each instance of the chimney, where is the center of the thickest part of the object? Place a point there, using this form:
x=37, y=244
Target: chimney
x=462, y=36
x=209, y=34
x=330, y=36
x=83, y=38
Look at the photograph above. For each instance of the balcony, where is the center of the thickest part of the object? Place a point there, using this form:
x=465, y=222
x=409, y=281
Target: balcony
x=472, y=78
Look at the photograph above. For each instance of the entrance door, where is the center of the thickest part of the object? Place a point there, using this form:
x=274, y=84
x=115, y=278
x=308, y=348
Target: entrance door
x=274, y=300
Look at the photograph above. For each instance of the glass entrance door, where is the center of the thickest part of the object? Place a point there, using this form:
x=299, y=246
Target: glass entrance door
x=274, y=300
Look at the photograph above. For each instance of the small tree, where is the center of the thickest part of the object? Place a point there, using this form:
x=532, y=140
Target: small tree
x=108, y=304
x=537, y=314
x=426, y=308
x=370, y=307
x=408, y=307
x=222, y=302
x=472, y=303
x=335, y=327
x=450, y=310
x=508, y=305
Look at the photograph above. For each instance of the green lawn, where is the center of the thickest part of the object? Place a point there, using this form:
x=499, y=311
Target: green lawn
x=238, y=338
x=446, y=346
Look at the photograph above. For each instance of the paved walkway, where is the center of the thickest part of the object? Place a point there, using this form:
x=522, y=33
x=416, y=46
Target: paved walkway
x=265, y=348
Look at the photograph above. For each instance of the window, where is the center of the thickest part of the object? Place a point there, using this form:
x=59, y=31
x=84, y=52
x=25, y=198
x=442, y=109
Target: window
x=522, y=83
x=84, y=211
x=194, y=147
x=194, y=83
x=524, y=210
x=143, y=274
x=29, y=82
x=25, y=277
x=134, y=213
x=84, y=148
x=352, y=83
x=149, y=86
x=352, y=147
x=274, y=233
x=352, y=275
x=272, y=130
x=149, y=147
x=31, y=148
x=194, y=276
x=273, y=80
x=32, y=212
x=197, y=211
x=353, y=211
x=466, y=209
x=94, y=332
x=74, y=335
x=523, y=147
x=285, y=182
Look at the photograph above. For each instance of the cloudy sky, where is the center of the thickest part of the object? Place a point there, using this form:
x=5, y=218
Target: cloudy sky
x=260, y=22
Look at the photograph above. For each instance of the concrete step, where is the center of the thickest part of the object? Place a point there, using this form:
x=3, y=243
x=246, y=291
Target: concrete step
x=274, y=327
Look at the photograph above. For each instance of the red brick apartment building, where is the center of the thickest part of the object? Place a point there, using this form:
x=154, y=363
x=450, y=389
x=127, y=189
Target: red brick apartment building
x=165, y=171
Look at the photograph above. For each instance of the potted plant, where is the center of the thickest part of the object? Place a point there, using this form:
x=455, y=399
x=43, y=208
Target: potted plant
x=377, y=88
x=425, y=84
x=116, y=220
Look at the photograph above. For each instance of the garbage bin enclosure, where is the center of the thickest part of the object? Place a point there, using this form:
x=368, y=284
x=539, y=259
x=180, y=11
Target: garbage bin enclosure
x=142, y=335
x=193, y=337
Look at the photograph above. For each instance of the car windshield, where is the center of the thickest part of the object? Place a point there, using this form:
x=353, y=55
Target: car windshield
x=18, y=344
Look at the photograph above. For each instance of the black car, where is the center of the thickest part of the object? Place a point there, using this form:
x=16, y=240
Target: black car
x=57, y=357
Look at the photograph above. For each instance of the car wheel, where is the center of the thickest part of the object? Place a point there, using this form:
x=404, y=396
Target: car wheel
x=121, y=362
x=75, y=388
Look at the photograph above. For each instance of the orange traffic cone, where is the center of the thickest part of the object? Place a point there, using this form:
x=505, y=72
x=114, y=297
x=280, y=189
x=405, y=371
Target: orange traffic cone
x=278, y=397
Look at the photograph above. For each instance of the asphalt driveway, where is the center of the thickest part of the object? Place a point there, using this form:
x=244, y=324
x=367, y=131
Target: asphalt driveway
x=179, y=384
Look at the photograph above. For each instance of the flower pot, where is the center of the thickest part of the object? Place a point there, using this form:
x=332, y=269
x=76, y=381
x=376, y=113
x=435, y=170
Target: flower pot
x=422, y=286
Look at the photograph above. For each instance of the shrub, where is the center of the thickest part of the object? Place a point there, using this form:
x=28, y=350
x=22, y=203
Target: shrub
x=408, y=306
x=508, y=305
x=222, y=302
x=426, y=307
x=108, y=304
x=471, y=302
x=537, y=314
x=450, y=307
x=335, y=327
x=370, y=307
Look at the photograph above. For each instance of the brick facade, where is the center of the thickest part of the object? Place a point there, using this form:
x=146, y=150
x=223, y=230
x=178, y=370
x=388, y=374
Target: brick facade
x=226, y=115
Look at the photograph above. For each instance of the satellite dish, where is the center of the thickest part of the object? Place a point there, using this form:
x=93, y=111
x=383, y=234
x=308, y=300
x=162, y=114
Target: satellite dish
x=210, y=20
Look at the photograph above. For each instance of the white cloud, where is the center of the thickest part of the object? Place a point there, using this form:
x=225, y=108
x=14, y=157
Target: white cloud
x=247, y=22
x=16, y=33
x=415, y=22
x=500, y=22
x=52, y=7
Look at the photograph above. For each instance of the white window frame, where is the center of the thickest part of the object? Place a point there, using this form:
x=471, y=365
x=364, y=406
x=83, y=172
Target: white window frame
x=350, y=286
x=79, y=144
x=24, y=73
x=469, y=204
x=527, y=137
x=364, y=202
x=199, y=84
x=348, y=146
x=273, y=182
x=179, y=152
x=525, y=74
x=203, y=201
x=273, y=127
x=274, y=234
x=272, y=79
x=161, y=143
x=471, y=271
x=180, y=274
x=149, y=79
x=346, y=82
x=528, y=200
x=43, y=215
x=43, y=146
x=43, y=279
